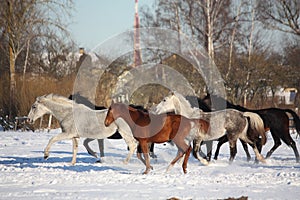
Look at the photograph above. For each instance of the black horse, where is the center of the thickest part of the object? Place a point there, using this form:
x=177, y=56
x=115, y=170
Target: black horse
x=83, y=100
x=275, y=119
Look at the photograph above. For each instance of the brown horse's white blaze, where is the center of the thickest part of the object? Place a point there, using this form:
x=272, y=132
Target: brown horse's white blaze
x=151, y=128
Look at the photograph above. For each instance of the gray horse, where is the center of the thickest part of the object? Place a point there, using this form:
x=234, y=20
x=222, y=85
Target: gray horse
x=246, y=126
x=77, y=120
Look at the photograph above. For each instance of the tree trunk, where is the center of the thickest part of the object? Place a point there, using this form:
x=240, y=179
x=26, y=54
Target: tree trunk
x=12, y=93
x=178, y=25
x=232, y=41
x=23, y=95
x=12, y=60
x=210, y=45
x=250, y=46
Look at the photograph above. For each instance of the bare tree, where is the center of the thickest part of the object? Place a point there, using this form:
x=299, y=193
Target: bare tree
x=21, y=22
x=283, y=15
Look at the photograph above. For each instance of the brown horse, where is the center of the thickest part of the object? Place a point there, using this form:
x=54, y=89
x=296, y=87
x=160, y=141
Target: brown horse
x=151, y=128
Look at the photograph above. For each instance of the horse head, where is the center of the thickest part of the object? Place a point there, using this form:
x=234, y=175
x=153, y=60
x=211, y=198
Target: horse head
x=110, y=116
x=178, y=103
x=38, y=109
x=166, y=105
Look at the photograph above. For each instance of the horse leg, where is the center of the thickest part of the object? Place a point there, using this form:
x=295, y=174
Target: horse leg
x=186, y=158
x=233, y=151
x=245, y=147
x=221, y=141
x=209, y=145
x=58, y=137
x=257, y=153
x=277, y=143
x=290, y=142
x=131, y=143
x=87, y=147
x=178, y=156
x=101, y=147
x=144, y=148
x=75, y=149
x=294, y=147
x=202, y=154
x=139, y=154
x=196, y=147
x=152, y=151
x=259, y=147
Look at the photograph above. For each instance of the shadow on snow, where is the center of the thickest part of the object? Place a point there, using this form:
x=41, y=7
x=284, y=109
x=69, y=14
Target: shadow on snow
x=83, y=163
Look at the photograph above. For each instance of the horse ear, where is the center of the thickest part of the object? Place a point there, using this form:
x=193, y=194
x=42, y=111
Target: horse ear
x=172, y=93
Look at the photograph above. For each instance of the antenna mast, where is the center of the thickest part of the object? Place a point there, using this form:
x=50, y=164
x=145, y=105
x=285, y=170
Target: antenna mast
x=137, y=53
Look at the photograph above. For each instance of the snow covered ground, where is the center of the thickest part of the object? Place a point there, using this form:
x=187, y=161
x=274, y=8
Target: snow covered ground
x=24, y=174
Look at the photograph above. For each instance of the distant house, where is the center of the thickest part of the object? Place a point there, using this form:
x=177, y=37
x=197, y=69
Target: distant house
x=290, y=95
x=286, y=96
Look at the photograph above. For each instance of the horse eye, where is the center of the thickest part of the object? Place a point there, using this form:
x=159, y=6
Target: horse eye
x=33, y=107
x=164, y=100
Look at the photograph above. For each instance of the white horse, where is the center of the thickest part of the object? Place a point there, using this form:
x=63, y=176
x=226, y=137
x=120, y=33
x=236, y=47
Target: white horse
x=77, y=120
x=246, y=126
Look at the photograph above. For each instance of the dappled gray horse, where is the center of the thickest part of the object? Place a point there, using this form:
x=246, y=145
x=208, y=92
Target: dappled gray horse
x=77, y=120
x=230, y=121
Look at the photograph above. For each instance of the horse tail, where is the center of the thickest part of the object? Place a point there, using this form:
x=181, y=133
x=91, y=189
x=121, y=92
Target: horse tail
x=295, y=118
x=257, y=124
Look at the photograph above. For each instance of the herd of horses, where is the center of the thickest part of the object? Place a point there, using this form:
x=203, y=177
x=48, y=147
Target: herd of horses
x=187, y=121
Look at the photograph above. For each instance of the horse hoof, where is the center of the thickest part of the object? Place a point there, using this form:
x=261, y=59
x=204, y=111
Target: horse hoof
x=148, y=170
x=263, y=161
x=204, y=162
x=98, y=161
x=268, y=155
x=46, y=157
x=152, y=155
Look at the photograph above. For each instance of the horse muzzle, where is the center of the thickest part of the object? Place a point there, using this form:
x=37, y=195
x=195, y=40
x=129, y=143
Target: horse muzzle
x=30, y=120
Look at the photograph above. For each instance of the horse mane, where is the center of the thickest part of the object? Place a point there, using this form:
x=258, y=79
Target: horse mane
x=182, y=100
x=196, y=102
x=57, y=98
x=139, y=107
x=85, y=101
x=228, y=104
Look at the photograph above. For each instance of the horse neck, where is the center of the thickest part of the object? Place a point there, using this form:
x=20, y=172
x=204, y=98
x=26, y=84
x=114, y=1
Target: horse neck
x=183, y=107
x=57, y=110
x=131, y=116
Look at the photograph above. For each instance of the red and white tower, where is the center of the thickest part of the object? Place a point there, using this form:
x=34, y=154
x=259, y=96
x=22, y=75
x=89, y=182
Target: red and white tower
x=137, y=53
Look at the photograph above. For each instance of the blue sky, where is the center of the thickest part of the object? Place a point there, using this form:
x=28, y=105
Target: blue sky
x=97, y=20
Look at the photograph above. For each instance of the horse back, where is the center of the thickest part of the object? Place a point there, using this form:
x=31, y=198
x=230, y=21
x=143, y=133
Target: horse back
x=274, y=118
x=163, y=128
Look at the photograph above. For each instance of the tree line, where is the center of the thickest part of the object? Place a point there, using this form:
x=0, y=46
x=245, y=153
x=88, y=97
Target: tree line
x=33, y=39
x=36, y=49
x=236, y=36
